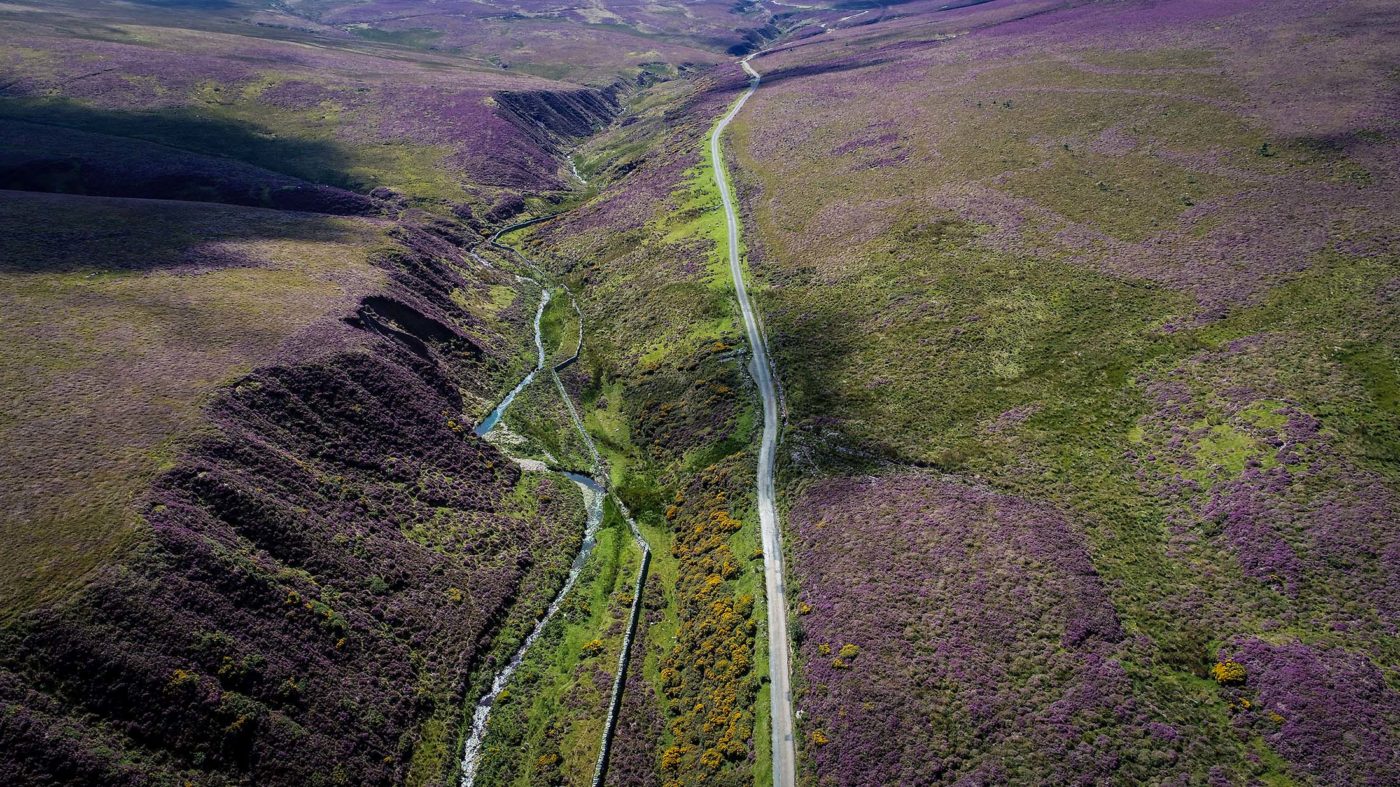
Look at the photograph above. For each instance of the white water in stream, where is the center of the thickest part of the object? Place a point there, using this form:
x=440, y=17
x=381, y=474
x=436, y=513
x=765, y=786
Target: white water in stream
x=594, y=493
x=573, y=168
x=471, y=753
x=594, y=504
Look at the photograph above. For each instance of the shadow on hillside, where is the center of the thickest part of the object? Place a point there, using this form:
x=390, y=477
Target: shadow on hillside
x=821, y=69
x=184, y=129
x=799, y=72
x=61, y=233
x=107, y=190
x=49, y=155
x=813, y=346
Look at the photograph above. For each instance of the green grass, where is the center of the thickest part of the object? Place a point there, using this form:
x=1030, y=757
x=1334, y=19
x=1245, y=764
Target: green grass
x=538, y=426
x=439, y=750
x=630, y=472
x=1129, y=196
x=647, y=488
x=559, y=327
x=909, y=327
x=413, y=37
x=532, y=714
x=539, y=416
x=1332, y=310
x=553, y=707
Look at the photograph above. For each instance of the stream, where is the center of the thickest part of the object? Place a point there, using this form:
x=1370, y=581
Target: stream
x=593, y=501
x=496, y=414
x=471, y=753
x=594, y=490
x=594, y=493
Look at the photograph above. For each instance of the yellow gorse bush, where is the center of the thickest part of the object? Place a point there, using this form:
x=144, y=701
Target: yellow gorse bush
x=1228, y=672
x=707, y=673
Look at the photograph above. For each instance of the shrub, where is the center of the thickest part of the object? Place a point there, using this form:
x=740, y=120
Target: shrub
x=1228, y=673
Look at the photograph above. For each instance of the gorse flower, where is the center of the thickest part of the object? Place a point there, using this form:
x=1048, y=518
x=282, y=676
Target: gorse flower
x=1228, y=673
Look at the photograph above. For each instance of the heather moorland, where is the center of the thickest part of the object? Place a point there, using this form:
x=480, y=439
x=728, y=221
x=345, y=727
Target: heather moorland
x=374, y=366
x=1090, y=314
x=249, y=536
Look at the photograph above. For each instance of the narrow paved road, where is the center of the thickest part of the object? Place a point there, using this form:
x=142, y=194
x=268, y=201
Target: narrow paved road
x=784, y=752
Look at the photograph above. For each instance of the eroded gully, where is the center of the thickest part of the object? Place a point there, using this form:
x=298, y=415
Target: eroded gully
x=784, y=758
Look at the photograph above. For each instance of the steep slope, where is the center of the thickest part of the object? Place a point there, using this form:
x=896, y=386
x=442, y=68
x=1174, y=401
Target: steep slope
x=325, y=554
x=249, y=536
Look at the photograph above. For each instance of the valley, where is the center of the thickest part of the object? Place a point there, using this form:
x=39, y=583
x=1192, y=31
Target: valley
x=472, y=393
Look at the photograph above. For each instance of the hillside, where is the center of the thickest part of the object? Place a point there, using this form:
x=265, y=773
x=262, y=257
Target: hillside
x=383, y=411
x=249, y=536
x=245, y=534
x=1086, y=323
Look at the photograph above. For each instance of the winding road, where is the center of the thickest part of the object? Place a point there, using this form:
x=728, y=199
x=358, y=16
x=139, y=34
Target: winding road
x=779, y=649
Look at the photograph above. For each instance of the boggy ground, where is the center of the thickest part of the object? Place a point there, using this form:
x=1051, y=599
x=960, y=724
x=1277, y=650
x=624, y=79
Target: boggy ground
x=1103, y=298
